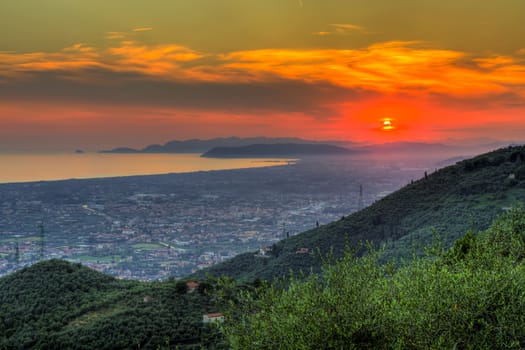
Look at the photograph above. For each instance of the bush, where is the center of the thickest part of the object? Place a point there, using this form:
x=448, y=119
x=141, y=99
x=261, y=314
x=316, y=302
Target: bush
x=520, y=172
x=181, y=287
x=470, y=297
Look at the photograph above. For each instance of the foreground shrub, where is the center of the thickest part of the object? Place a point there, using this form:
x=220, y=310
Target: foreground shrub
x=471, y=297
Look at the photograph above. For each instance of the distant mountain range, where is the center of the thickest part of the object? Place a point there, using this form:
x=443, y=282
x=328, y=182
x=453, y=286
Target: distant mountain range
x=228, y=147
x=200, y=146
x=276, y=150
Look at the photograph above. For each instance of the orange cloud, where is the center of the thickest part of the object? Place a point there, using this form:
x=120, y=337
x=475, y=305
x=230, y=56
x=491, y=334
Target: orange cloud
x=407, y=68
x=161, y=60
x=74, y=58
x=393, y=67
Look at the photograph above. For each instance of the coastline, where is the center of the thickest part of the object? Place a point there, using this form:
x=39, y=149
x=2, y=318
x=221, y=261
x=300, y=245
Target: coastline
x=21, y=168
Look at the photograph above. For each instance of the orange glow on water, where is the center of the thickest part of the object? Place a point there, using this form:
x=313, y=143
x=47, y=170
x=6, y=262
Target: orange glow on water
x=53, y=166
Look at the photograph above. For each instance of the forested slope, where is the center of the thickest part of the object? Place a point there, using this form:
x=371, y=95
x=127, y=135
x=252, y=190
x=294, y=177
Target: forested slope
x=468, y=297
x=59, y=305
x=450, y=201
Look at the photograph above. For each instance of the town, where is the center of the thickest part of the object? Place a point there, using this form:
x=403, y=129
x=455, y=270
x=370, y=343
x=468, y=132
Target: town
x=161, y=226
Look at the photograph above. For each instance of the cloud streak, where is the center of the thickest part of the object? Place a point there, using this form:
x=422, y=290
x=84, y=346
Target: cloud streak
x=322, y=33
x=142, y=29
x=390, y=68
x=115, y=35
x=343, y=29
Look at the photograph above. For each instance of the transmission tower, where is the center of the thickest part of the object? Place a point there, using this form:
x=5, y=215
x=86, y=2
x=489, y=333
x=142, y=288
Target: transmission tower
x=42, y=241
x=360, y=201
x=17, y=252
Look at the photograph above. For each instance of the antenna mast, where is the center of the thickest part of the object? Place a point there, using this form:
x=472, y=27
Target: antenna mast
x=360, y=202
x=17, y=252
x=42, y=240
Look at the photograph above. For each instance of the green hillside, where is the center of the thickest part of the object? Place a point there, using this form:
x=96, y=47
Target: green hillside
x=469, y=297
x=450, y=201
x=59, y=305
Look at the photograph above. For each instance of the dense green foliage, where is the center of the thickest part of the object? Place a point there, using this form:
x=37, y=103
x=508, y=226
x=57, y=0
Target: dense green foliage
x=59, y=305
x=452, y=200
x=469, y=297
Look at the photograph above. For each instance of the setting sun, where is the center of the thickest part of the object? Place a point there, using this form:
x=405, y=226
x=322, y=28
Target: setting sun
x=387, y=124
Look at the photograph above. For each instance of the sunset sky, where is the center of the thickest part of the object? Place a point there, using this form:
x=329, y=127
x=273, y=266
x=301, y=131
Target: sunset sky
x=98, y=74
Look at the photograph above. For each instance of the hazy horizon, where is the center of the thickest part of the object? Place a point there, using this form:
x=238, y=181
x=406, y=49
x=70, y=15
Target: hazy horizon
x=71, y=148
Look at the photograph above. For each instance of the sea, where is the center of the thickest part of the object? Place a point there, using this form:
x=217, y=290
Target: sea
x=27, y=167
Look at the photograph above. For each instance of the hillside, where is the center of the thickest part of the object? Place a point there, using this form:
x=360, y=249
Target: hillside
x=469, y=297
x=59, y=305
x=275, y=150
x=450, y=201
